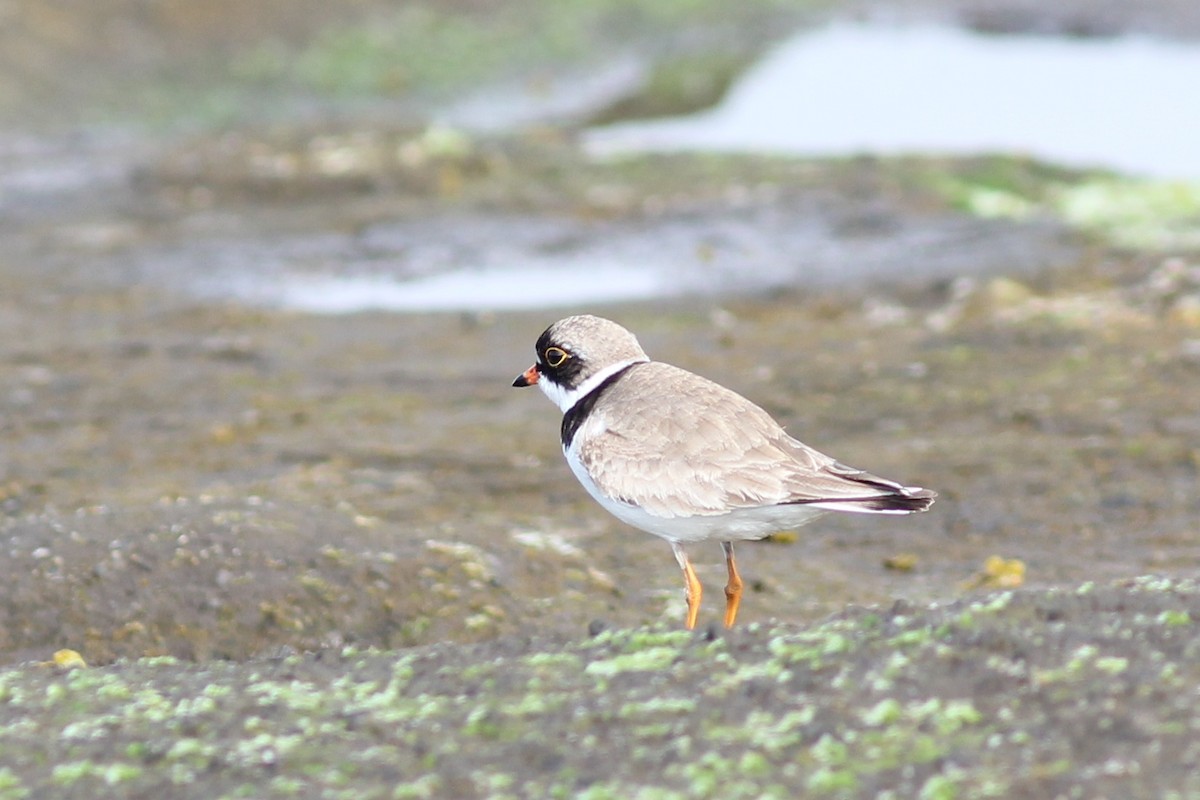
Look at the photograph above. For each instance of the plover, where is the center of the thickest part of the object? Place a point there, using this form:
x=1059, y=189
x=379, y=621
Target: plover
x=687, y=459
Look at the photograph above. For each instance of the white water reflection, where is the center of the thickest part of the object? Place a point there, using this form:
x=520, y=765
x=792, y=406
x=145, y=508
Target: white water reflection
x=1129, y=104
x=486, y=263
x=493, y=290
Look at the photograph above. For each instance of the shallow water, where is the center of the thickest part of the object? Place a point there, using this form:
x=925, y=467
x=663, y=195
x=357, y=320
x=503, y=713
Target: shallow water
x=460, y=290
x=1124, y=103
x=484, y=262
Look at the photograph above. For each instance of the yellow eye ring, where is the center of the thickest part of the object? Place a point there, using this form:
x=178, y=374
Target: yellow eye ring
x=555, y=356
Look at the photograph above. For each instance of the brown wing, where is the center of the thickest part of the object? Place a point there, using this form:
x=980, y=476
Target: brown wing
x=677, y=444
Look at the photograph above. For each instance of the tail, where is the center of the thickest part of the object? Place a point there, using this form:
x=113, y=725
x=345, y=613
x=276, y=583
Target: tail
x=879, y=495
x=907, y=500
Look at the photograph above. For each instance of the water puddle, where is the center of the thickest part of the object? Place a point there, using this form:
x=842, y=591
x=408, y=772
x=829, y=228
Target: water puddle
x=48, y=173
x=479, y=262
x=1127, y=103
x=476, y=263
x=559, y=97
x=523, y=287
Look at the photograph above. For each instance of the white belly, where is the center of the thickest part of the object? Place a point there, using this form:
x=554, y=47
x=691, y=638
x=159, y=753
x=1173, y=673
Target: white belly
x=739, y=524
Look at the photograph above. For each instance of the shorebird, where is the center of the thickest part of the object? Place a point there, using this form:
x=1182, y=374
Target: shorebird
x=686, y=459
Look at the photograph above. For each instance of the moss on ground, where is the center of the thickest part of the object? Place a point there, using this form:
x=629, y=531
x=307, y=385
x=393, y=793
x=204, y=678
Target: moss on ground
x=1019, y=694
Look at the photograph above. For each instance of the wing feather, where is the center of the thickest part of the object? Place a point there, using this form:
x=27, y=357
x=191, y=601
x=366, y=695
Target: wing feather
x=712, y=454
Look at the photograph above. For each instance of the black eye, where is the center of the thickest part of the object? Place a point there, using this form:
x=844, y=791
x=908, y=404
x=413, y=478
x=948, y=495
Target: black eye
x=555, y=356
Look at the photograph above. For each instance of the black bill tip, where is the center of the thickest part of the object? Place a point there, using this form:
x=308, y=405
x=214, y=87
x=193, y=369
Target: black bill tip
x=528, y=378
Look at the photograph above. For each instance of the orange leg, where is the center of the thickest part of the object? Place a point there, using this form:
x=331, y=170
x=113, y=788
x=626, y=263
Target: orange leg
x=733, y=589
x=694, y=590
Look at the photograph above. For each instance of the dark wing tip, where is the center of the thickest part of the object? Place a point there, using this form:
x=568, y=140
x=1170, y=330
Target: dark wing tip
x=909, y=498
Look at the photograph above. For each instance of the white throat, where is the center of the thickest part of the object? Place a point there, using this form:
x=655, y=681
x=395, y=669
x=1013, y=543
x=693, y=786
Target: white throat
x=565, y=398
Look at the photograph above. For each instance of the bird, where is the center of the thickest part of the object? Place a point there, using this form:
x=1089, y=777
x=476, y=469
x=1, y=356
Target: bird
x=686, y=459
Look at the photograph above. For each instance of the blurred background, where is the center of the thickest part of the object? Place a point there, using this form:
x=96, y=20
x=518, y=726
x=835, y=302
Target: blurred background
x=199, y=104
x=267, y=271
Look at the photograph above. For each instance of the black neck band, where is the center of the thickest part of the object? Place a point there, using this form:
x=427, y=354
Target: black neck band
x=577, y=413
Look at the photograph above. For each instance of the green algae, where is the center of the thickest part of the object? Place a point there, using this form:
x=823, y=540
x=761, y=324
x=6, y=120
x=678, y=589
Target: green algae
x=648, y=660
x=1174, y=618
x=1143, y=213
x=1150, y=214
x=422, y=50
x=420, y=47
x=385, y=724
